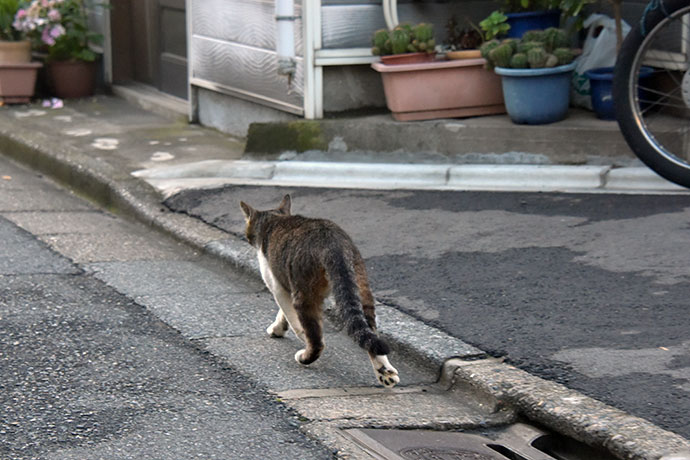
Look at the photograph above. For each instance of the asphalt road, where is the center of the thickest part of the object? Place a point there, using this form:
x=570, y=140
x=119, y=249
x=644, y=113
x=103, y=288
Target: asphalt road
x=587, y=290
x=85, y=373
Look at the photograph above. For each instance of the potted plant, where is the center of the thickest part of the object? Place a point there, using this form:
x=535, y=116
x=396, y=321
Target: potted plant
x=405, y=44
x=440, y=89
x=60, y=28
x=462, y=42
x=535, y=73
x=523, y=15
x=14, y=47
x=17, y=72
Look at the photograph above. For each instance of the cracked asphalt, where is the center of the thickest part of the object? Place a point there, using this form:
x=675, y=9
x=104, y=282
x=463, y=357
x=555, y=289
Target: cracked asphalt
x=586, y=290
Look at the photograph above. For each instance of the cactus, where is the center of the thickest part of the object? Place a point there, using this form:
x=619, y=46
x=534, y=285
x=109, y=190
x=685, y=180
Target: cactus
x=533, y=36
x=512, y=42
x=524, y=46
x=519, y=61
x=486, y=48
x=400, y=40
x=564, y=55
x=404, y=38
x=555, y=38
x=536, y=58
x=406, y=27
x=529, y=52
x=381, y=42
x=551, y=60
x=500, y=56
x=423, y=32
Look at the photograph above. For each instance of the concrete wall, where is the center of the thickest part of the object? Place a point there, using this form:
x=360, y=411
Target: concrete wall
x=232, y=115
x=345, y=23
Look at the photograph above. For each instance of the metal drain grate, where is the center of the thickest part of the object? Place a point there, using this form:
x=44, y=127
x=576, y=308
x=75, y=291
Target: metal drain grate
x=515, y=442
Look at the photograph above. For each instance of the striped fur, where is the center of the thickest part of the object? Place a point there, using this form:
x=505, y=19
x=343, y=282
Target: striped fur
x=302, y=261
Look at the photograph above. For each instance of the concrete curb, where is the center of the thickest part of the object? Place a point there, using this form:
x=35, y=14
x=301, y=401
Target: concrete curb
x=124, y=194
x=567, y=411
x=541, y=178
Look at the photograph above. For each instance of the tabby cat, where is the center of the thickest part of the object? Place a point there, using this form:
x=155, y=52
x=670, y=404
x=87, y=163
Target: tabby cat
x=302, y=261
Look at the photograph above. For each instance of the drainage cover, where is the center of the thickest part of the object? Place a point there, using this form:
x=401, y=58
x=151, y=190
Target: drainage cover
x=515, y=442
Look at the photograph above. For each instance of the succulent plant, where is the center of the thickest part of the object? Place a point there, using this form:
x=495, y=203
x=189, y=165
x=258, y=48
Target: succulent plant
x=486, y=48
x=512, y=42
x=564, y=55
x=381, y=43
x=458, y=37
x=536, y=57
x=533, y=50
x=400, y=39
x=423, y=32
x=525, y=46
x=554, y=38
x=404, y=39
x=551, y=60
x=519, y=61
x=533, y=36
x=500, y=56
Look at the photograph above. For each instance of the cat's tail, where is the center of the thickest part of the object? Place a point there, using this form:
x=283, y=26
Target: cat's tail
x=349, y=305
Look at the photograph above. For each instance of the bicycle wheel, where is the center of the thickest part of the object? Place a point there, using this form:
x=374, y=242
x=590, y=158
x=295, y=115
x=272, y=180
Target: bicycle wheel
x=651, y=89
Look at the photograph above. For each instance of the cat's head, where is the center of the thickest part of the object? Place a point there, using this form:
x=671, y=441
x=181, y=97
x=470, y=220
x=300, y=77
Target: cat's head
x=255, y=219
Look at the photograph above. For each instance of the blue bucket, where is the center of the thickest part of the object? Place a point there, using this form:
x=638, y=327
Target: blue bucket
x=536, y=96
x=601, y=90
x=532, y=20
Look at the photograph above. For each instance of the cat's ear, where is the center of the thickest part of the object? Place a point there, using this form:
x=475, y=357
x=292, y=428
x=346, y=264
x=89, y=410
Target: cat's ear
x=284, y=207
x=247, y=210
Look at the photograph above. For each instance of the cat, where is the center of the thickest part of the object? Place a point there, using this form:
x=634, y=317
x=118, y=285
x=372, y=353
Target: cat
x=302, y=261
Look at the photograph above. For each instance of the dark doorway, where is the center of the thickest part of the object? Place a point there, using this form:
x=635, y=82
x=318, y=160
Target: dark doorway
x=150, y=44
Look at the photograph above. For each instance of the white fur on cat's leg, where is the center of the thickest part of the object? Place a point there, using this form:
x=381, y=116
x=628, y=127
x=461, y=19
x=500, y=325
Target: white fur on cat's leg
x=276, y=328
x=298, y=355
x=282, y=298
x=386, y=374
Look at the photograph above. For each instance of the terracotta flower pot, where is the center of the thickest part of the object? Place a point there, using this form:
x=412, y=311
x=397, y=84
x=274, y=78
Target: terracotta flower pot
x=464, y=54
x=441, y=89
x=15, y=52
x=407, y=58
x=18, y=82
x=72, y=79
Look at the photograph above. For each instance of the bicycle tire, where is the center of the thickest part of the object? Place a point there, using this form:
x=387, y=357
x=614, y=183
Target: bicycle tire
x=639, y=115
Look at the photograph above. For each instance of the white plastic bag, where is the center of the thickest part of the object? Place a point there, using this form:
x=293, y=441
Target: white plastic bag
x=598, y=51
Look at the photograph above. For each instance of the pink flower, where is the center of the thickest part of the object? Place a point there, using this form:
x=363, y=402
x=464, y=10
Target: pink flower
x=21, y=14
x=51, y=33
x=54, y=15
x=46, y=38
x=57, y=31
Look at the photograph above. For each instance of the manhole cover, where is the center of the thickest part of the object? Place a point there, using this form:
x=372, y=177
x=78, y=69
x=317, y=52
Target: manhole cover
x=430, y=453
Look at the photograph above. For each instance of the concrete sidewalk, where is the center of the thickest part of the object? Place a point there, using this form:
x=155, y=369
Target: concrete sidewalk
x=94, y=146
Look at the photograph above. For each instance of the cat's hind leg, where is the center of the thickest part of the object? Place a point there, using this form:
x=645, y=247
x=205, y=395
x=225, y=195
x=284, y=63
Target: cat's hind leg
x=386, y=374
x=309, y=315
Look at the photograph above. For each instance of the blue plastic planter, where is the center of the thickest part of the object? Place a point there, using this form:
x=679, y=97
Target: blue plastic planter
x=532, y=20
x=601, y=90
x=536, y=96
